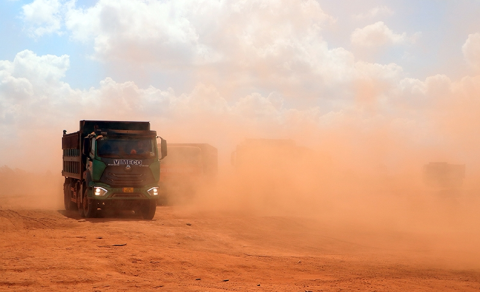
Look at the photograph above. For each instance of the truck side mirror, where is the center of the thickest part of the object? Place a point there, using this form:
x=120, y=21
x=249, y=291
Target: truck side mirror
x=163, y=147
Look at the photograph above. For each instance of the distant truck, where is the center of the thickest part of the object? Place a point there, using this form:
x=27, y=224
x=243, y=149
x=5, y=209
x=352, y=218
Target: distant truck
x=188, y=167
x=443, y=175
x=112, y=165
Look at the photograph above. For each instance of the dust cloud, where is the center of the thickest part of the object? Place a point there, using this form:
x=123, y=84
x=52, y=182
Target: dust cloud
x=360, y=172
x=30, y=190
x=364, y=174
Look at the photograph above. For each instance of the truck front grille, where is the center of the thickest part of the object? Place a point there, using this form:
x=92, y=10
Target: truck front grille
x=118, y=176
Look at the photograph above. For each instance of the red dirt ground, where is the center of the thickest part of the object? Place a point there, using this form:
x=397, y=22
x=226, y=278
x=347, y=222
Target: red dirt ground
x=43, y=248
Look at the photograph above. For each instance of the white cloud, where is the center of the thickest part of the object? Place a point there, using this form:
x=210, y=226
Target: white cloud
x=392, y=71
x=471, y=50
x=265, y=45
x=42, y=17
x=438, y=86
x=154, y=31
x=47, y=68
x=33, y=100
x=31, y=77
x=259, y=44
x=179, y=32
x=412, y=87
x=379, y=11
x=377, y=34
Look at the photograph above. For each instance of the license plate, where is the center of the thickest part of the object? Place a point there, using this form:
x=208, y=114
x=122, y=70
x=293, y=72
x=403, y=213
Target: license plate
x=128, y=190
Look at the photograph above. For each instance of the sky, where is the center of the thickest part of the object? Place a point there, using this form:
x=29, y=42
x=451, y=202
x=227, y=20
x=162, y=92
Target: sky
x=380, y=82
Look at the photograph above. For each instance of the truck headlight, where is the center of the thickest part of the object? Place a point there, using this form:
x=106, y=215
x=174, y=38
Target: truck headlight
x=98, y=191
x=153, y=191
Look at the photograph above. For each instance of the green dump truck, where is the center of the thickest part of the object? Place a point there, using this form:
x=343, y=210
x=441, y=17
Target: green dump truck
x=112, y=165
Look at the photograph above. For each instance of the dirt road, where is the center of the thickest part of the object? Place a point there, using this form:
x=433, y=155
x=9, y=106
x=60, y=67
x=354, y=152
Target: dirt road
x=48, y=249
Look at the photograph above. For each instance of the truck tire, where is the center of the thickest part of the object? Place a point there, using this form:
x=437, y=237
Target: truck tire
x=67, y=196
x=148, y=210
x=89, y=207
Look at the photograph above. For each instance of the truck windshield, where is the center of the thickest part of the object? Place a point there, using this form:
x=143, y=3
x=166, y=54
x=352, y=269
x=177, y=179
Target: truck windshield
x=121, y=148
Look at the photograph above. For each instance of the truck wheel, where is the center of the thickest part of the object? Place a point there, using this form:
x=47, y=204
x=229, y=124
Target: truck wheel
x=67, y=197
x=148, y=209
x=89, y=208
